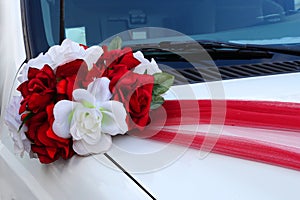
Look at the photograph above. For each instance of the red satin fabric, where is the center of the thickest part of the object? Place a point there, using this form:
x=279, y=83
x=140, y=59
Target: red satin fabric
x=253, y=114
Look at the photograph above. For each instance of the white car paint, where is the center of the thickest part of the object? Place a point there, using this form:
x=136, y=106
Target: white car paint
x=191, y=176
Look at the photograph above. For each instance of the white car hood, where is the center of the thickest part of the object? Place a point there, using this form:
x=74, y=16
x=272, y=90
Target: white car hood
x=194, y=176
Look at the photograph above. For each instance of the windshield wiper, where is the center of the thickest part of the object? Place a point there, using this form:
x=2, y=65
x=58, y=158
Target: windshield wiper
x=217, y=50
x=253, y=47
x=176, y=50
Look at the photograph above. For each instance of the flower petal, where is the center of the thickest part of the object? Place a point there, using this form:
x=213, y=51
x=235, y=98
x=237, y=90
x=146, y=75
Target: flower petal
x=83, y=148
x=100, y=89
x=62, y=111
x=92, y=55
x=83, y=96
x=13, y=121
x=114, y=118
x=145, y=66
x=39, y=62
x=65, y=53
x=80, y=122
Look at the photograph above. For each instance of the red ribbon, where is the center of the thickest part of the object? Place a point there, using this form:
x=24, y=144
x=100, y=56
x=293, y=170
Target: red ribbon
x=254, y=114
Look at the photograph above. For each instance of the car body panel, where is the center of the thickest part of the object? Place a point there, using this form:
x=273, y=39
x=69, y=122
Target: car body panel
x=192, y=176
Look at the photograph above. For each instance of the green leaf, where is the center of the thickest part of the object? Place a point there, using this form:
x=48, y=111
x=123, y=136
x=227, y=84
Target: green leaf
x=156, y=102
x=29, y=115
x=158, y=90
x=164, y=79
x=116, y=43
x=162, y=83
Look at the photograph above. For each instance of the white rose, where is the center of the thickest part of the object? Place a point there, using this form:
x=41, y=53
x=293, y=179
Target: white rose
x=13, y=121
x=61, y=54
x=91, y=119
x=145, y=66
x=86, y=131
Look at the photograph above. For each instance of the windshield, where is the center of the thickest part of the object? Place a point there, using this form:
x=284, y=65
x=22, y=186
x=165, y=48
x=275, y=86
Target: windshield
x=253, y=22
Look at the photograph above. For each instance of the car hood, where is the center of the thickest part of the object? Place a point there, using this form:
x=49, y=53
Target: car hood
x=193, y=174
x=189, y=176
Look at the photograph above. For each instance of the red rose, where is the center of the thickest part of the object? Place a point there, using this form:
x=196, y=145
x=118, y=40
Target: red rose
x=115, y=75
x=89, y=76
x=66, y=75
x=135, y=91
x=39, y=90
x=111, y=64
x=118, y=56
x=48, y=146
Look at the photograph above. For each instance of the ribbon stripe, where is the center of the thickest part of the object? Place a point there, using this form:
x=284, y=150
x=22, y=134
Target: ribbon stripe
x=262, y=114
x=252, y=114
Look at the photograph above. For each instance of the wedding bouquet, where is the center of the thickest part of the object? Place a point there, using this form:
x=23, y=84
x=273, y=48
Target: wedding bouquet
x=72, y=99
